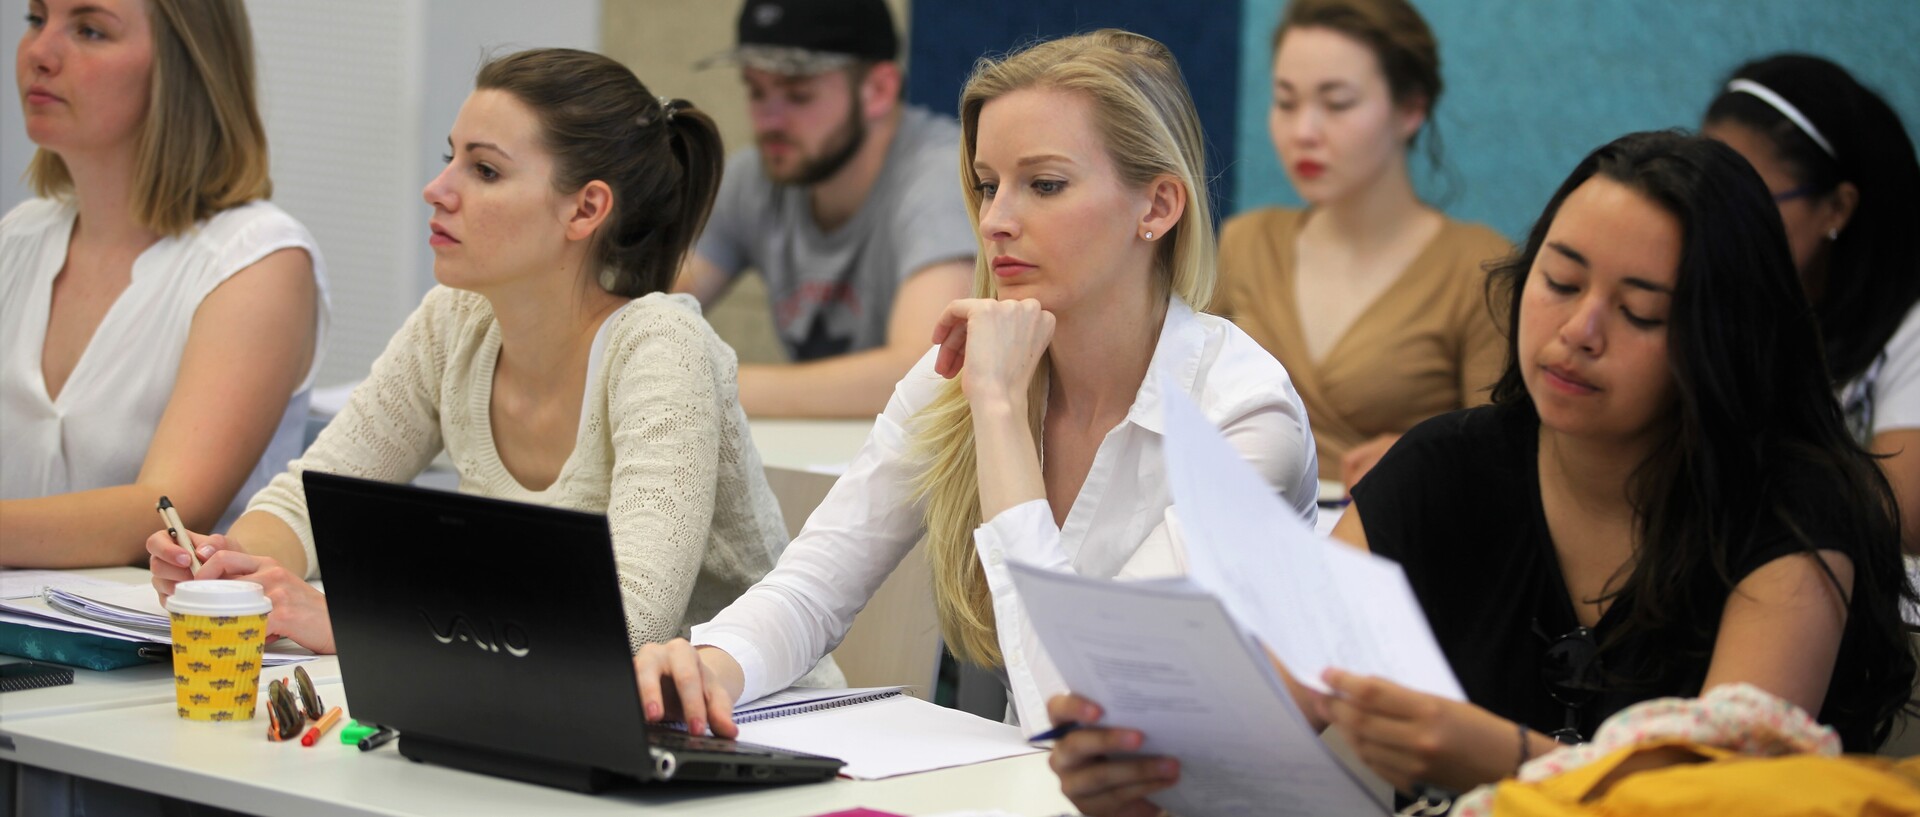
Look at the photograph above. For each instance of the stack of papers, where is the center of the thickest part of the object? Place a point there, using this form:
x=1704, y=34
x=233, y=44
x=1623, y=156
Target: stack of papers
x=75, y=604
x=123, y=612
x=1186, y=660
x=1165, y=658
x=27, y=584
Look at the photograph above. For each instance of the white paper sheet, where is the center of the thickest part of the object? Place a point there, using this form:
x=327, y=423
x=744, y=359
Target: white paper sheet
x=889, y=737
x=1163, y=657
x=27, y=584
x=1316, y=603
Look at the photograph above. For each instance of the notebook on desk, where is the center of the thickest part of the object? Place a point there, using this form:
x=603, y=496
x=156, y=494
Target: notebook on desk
x=492, y=636
x=879, y=731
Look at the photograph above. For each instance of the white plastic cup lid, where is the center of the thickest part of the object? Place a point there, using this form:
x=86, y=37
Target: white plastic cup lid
x=219, y=597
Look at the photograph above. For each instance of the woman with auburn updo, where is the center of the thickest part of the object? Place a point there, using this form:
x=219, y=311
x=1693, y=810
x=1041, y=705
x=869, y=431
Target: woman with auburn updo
x=160, y=321
x=551, y=364
x=1370, y=297
x=1033, y=432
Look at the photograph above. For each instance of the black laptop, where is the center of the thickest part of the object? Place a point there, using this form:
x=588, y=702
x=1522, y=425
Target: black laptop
x=491, y=634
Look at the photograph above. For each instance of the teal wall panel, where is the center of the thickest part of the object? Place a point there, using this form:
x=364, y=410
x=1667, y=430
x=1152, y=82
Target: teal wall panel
x=1533, y=85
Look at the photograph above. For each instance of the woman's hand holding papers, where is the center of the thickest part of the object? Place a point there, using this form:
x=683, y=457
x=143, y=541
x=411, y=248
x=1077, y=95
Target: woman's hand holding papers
x=700, y=685
x=299, y=610
x=1099, y=784
x=1412, y=739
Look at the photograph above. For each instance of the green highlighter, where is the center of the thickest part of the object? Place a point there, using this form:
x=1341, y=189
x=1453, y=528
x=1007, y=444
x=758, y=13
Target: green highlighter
x=353, y=732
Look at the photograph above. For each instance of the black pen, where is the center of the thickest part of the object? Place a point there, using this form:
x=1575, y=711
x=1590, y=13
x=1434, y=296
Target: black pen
x=378, y=739
x=1057, y=732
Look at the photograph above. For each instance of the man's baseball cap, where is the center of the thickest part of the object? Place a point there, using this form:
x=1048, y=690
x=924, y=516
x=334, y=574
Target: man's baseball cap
x=807, y=37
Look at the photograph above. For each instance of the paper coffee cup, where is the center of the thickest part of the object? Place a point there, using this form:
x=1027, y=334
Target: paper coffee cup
x=219, y=641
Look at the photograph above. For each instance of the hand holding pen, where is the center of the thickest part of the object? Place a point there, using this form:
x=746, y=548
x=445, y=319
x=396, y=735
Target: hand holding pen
x=173, y=552
x=1100, y=769
x=178, y=530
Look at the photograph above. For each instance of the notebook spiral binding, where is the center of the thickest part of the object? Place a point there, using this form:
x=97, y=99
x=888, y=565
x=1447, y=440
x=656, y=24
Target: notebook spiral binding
x=799, y=709
x=25, y=675
x=817, y=706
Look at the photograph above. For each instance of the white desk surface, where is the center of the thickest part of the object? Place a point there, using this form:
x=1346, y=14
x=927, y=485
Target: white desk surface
x=129, y=686
x=800, y=445
x=234, y=766
x=121, y=726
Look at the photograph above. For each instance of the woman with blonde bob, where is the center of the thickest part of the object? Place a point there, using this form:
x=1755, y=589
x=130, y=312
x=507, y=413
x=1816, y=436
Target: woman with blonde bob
x=1032, y=433
x=160, y=321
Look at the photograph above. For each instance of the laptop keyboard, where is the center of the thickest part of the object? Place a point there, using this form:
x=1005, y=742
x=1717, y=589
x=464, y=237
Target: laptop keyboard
x=673, y=739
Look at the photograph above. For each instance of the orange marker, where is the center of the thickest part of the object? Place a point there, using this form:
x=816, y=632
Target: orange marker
x=326, y=722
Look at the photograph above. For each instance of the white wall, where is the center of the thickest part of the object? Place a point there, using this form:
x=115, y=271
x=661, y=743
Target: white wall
x=15, y=149
x=358, y=96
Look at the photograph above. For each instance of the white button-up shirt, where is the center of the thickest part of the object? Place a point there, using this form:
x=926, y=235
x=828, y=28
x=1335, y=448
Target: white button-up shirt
x=1118, y=526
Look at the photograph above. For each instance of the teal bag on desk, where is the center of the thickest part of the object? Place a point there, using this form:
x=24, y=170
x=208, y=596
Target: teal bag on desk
x=75, y=649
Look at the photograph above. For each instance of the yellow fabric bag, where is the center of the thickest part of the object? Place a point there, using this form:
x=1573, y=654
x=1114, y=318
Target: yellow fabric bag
x=1722, y=782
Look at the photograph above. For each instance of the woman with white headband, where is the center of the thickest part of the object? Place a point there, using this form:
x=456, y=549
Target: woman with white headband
x=1843, y=171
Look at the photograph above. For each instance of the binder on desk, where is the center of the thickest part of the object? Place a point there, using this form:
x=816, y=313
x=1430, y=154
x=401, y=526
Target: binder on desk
x=83, y=650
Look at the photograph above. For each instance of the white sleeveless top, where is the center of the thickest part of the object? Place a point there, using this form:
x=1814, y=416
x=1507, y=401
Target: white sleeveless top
x=96, y=433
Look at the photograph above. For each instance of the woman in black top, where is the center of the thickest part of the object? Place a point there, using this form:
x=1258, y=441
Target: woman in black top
x=1843, y=171
x=1663, y=498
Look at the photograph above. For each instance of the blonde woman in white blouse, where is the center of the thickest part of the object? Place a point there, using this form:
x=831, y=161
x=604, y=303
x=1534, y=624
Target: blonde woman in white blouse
x=1033, y=433
x=551, y=365
x=160, y=321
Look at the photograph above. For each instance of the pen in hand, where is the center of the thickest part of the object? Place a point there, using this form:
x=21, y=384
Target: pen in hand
x=178, y=531
x=1057, y=732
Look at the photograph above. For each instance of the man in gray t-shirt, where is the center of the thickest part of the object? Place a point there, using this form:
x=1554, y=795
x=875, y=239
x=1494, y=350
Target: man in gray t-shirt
x=849, y=205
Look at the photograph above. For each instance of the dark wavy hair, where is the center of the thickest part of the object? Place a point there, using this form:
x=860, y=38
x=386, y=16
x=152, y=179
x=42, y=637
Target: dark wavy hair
x=661, y=157
x=1873, y=268
x=1755, y=446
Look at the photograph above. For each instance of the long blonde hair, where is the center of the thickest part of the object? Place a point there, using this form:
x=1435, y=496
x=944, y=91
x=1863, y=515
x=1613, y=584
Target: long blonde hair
x=1147, y=120
x=202, y=148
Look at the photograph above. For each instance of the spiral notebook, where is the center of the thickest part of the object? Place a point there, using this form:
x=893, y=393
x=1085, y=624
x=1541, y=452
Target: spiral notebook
x=800, y=700
x=879, y=731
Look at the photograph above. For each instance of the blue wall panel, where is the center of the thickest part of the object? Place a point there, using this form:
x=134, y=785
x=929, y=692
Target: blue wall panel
x=1203, y=34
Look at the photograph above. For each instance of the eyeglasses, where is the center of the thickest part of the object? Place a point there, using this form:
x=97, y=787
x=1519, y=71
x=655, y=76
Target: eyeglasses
x=1800, y=192
x=1572, y=675
x=291, y=705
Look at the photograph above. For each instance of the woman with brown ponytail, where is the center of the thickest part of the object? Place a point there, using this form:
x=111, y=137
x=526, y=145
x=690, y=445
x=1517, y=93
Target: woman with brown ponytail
x=551, y=364
x=1033, y=433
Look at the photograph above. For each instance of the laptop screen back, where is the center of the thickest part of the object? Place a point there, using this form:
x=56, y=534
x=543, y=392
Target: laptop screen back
x=479, y=621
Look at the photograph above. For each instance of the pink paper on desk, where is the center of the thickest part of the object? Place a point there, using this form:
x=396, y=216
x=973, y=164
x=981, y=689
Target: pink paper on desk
x=862, y=812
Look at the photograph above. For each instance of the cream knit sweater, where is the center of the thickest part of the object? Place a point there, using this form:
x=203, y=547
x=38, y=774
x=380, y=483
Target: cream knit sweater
x=663, y=449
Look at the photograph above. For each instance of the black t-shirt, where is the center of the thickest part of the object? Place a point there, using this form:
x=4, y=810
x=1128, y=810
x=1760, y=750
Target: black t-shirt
x=1457, y=503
